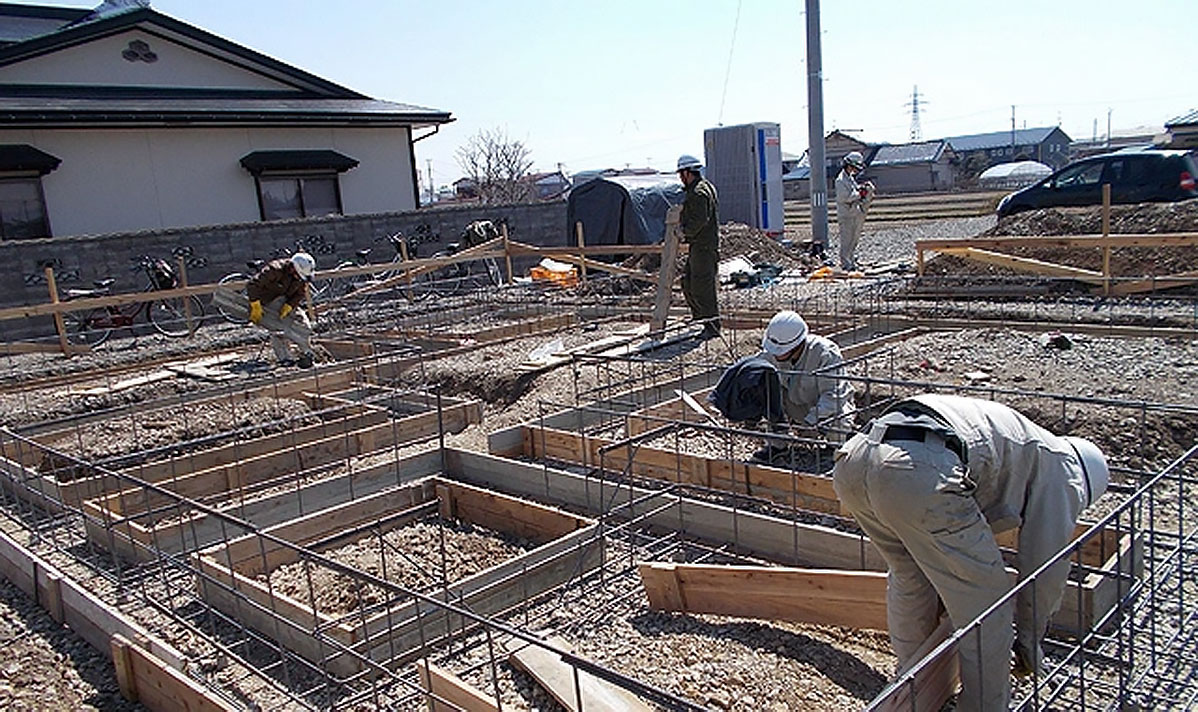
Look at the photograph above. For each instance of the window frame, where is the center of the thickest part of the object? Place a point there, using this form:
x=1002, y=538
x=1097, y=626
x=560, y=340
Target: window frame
x=28, y=177
x=298, y=176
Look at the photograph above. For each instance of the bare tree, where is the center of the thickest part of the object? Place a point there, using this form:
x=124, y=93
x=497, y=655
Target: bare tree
x=496, y=165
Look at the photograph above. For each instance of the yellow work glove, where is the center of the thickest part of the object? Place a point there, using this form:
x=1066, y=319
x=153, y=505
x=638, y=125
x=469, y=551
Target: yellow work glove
x=284, y=311
x=255, y=311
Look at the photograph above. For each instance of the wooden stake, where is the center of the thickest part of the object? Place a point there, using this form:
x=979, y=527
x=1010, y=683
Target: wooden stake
x=507, y=253
x=59, y=325
x=186, y=300
x=1106, y=232
x=582, y=270
x=665, y=276
x=122, y=659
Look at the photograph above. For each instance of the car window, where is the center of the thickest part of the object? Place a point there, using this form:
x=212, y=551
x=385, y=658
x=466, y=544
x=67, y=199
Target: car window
x=1130, y=171
x=1085, y=174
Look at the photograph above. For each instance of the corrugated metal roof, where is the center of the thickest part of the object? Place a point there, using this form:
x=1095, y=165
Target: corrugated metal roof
x=1183, y=120
x=924, y=152
x=996, y=139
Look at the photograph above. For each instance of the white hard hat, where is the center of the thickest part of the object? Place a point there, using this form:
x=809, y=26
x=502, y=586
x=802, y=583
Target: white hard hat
x=1094, y=467
x=785, y=331
x=304, y=264
x=689, y=163
x=854, y=159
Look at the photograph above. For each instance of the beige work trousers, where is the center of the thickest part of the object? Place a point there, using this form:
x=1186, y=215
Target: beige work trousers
x=915, y=502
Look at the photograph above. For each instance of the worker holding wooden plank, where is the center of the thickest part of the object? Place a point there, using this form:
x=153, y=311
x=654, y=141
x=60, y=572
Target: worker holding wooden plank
x=272, y=301
x=931, y=482
x=701, y=231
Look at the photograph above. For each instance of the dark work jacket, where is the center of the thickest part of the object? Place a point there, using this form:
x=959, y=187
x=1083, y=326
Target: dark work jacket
x=749, y=390
x=700, y=219
x=277, y=278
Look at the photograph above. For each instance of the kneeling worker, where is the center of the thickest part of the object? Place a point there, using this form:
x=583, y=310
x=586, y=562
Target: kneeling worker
x=931, y=481
x=275, y=293
x=815, y=393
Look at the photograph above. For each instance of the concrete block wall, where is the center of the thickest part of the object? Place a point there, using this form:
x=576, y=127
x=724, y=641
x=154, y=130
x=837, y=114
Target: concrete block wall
x=220, y=249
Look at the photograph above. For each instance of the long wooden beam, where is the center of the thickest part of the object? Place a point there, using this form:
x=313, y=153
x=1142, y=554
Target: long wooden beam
x=1025, y=264
x=852, y=599
x=570, y=686
x=1176, y=239
x=1140, y=286
x=444, y=687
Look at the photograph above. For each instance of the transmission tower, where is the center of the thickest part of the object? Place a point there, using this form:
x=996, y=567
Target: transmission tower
x=915, y=103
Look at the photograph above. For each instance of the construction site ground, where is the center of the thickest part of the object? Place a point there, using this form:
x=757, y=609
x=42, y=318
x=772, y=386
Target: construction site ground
x=716, y=661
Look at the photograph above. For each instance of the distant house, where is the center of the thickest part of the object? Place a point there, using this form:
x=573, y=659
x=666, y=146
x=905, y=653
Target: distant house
x=1140, y=136
x=912, y=167
x=977, y=152
x=550, y=185
x=122, y=118
x=1182, y=131
x=796, y=182
x=465, y=189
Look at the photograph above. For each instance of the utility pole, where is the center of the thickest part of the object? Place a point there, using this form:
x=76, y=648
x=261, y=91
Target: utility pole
x=1108, y=128
x=815, y=133
x=429, y=162
x=1012, y=132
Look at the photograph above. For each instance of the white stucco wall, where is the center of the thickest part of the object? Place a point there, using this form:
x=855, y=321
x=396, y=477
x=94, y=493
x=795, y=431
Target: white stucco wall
x=122, y=180
x=99, y=62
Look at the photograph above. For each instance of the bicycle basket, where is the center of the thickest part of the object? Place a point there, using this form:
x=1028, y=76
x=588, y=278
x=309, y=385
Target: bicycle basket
x=164, y=277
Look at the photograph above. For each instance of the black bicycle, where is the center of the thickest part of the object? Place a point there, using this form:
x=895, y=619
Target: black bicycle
x=175, y=317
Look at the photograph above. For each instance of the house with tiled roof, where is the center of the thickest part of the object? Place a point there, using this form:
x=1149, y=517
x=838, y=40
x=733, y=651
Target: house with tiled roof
x=912, y=167
x=122, y=118
x=1182, y=131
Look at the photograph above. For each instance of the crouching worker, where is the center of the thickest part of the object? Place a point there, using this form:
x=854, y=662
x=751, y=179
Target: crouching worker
x=275, y=294
x=815, y=395
x=931, y=481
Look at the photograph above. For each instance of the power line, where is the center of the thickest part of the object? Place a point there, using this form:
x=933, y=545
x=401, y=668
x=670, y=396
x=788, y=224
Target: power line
x=728, y=69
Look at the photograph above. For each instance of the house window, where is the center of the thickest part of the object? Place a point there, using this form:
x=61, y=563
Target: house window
x=283, y=197
x=298, y=183
x=22, y=209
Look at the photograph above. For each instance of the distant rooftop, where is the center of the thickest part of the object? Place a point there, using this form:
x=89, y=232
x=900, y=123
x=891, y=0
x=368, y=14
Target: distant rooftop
x=997, y=139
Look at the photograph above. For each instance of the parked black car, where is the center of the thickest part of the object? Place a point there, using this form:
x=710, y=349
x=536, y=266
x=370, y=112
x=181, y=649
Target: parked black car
x=1141, y=175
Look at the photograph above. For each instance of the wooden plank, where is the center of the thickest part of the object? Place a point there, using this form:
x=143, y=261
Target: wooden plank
x=1140, y=286
x=1177, y=239
x=558, y=678
x=163, y=689
x=931, y=686
x=447, y=687
x=669, y=265
x=853, y=599
x=122, y=660
x=537, y=522
x=1025, y=264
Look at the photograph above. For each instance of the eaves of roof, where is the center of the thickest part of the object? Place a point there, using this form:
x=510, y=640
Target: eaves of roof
x=113, y=24
x=1189, y=119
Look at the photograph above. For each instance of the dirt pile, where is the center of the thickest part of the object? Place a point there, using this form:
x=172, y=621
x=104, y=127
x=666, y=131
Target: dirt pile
x=1126, y=262
x=738, y=239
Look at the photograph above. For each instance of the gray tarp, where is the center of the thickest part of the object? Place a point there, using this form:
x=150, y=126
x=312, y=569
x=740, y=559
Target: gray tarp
x=623, y=210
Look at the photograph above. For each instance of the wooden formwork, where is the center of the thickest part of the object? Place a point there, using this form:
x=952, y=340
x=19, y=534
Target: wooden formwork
x=230, y=574
x=1113, y=558
x=225, y=474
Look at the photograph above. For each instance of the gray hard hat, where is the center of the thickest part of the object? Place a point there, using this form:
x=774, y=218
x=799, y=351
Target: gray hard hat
x=689, y=163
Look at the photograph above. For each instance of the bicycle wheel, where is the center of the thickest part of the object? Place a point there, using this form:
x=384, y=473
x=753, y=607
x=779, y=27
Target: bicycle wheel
x=169, y=316
x=229, y=314
x=88, y=328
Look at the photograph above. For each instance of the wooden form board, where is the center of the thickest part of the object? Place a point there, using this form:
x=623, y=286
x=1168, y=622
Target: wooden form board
x=151, y=666
x=145, y=679
x=537, y=325
x=229, y=575
x=136, y=540
x=783, y=541
x=798, y=489
x=853, y=599
x=931, y=685
x=558, y=678
x=444, y=687
x=228, y=480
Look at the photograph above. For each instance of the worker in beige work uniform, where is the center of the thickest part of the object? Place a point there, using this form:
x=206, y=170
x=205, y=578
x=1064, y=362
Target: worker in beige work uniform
x=700, y=226
x=814, y=393
x=931, y=482
x=853, y=199
x=275, y=294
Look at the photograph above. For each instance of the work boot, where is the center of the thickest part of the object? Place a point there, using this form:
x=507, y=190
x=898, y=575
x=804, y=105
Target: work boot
x=304, y=361
x=710, y=331
x=770, y=454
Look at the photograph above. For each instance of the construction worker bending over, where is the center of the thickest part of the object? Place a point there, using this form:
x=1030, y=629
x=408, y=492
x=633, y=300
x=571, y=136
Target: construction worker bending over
x=814, y=392
x=274, y=296
x=700, y=224
x=931, y=482
x=852, y=202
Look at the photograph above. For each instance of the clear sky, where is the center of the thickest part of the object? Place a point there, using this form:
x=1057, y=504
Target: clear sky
x=635, y=82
